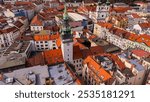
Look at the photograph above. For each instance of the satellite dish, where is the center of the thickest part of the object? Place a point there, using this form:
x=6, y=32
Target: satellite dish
x=8, y=13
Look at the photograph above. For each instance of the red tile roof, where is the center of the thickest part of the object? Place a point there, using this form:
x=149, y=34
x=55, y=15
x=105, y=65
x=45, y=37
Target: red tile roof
x=54, y=36
x=53, y=56
x=58, y=42
x=19, y=3
x=120, y=9
x=97, y=69
x=140, y=53
x=105, y=24
x=96, y=50
x=134, y=15
x=8, y=30
x=77, y=53
x=145, y=25
x=46, y=37
x=86, y=8
x=36, y=21
x=117, y=61
x=38, y=59
x=133, y=37
x=144, y=39
x=86, y=53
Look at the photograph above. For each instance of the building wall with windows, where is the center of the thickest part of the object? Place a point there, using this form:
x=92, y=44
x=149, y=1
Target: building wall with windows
x=78, y=65
x=45, y=45
x=36, y=28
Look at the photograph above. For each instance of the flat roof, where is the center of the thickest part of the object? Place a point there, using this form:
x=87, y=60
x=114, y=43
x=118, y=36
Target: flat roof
x=20, y=76
x=60, y=75
x=76, y=17
x=17, y=46
x=12, y=60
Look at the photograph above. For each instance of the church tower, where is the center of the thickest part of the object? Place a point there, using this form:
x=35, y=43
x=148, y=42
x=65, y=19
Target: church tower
x=102, y=10
x=66, y=38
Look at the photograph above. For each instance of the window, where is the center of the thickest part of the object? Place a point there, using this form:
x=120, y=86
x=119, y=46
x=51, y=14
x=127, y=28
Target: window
x=68, y=55
x=54, y=41
x=46, y=41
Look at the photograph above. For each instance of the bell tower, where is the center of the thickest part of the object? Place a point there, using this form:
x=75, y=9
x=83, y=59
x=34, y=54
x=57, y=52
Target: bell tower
x=102, y=10
x=66, y=38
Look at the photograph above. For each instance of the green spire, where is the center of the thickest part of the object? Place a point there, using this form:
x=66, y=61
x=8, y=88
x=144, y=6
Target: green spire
x=65, y=15
x=107, y=2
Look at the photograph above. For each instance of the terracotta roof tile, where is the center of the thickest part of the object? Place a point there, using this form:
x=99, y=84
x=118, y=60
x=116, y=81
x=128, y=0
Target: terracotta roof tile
x=120, y=9
x=140, y=53
x=97, y=69
x=144, y=25
x=53, y=56
x=118, y=62
x=58, y=42
x=36, y=21
x=76, y=52
x=19, y=3
x=54, y=36
x=38, y=59
x=46, y=37
x=86, y=53
x=134, y=15
x=96, y=50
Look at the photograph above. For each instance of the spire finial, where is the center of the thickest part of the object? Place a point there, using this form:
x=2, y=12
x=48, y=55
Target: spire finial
x=107, y=2
x=65, y=15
